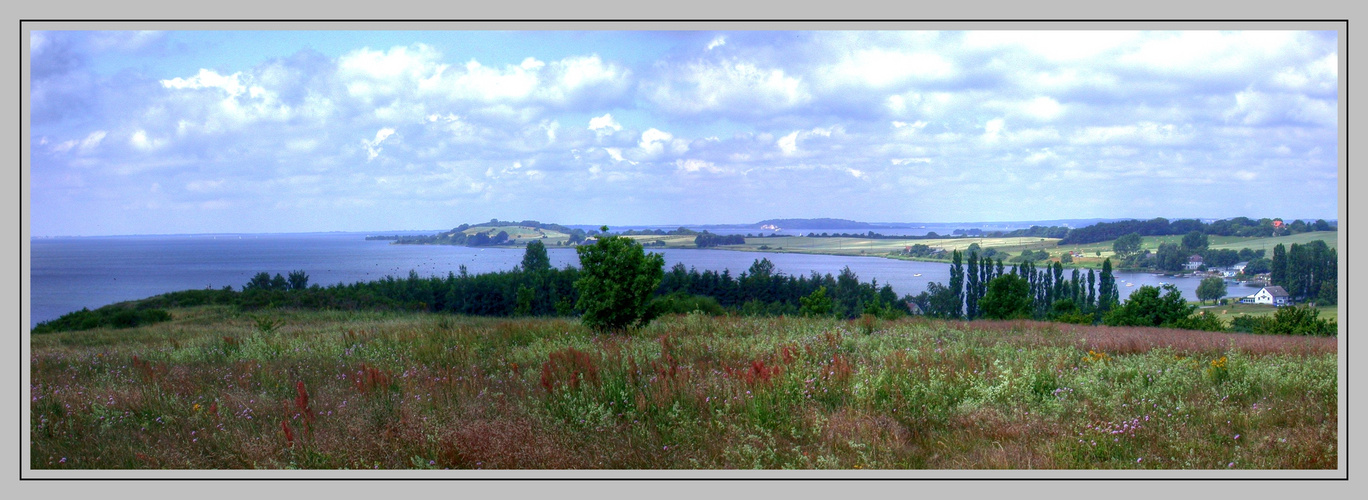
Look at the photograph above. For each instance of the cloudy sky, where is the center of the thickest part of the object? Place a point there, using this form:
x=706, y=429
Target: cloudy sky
x=136, y=132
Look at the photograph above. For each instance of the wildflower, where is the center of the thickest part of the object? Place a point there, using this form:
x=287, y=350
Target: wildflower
x=1237, y=436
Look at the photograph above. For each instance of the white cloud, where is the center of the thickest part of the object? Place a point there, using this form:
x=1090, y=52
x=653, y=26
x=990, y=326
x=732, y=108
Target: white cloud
x=373, y=147
x=1056, y=46
x=717, y=41
x=653, y=141
x=789, y=143
x=604, y=125
x=885, y=67
x=140, y=141
x=93, y=140
x=1043, y=108
x=616, y=155
x=732, y=87
x=993, y=129
x=206, y=79
x=692, y=165
x=1261, y=108
x=1142, y=133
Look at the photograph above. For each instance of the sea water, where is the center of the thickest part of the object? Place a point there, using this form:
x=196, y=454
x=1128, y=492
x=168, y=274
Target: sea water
x=67, y=274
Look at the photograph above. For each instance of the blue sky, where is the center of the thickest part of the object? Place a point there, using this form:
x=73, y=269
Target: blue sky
x=148, y=132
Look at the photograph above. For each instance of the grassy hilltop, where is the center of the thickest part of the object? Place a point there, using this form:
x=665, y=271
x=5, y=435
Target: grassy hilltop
x=218, y=388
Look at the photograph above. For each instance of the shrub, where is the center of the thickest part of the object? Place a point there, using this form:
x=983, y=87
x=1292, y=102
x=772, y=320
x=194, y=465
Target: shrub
x=684, y=303
x=1300, y=320
x=113, y=316
x=617, y=279
x=1008, y=297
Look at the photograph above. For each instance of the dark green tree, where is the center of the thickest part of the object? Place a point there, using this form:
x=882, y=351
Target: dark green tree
x=1107, y=294
x=535, y=258
x=279, y=282
x=299, y=280
x=816, y=304
x=971, y=290
x=957, y=284
x=1278, y=268
x=1211, y=289
x=1194, y=241
x=1146, y=307
x=1008, y=297
x=617, y=279
x=1126, y=245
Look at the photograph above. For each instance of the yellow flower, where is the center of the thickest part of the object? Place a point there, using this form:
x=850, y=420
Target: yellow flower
x=196, y=407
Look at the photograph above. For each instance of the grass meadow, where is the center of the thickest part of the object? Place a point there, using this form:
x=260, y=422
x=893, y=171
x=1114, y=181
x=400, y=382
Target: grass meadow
x=216, y=388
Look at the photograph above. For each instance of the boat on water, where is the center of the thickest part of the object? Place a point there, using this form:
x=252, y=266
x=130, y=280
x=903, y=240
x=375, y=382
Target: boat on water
x=1130, y=284
x=918, y=274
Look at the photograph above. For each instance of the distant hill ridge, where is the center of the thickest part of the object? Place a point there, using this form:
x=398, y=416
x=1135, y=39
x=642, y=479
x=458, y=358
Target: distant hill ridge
x=815, y=224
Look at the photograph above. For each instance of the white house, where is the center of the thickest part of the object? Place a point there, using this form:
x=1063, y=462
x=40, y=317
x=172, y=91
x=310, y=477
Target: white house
x=1194, y=262
x=1272, y=295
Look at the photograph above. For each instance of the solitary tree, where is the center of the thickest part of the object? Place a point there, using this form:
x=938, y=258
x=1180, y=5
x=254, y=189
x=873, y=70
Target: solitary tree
x=534, y=258
x=1211, y=289
x=617, y=278
x=1126, y=245
x=1195, y=241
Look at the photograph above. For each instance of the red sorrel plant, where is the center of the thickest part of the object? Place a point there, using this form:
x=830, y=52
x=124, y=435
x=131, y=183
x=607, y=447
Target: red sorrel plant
x=289, y=433
x=837, y=369
x=757, y=374
x=568, y=368
x=302, y=404
x=368, y=378
x=150, y=371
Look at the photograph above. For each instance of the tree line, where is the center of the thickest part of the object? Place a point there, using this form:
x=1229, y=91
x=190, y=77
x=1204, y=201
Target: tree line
x=1307, y=272
x=1159, y=226
x=1026, y=291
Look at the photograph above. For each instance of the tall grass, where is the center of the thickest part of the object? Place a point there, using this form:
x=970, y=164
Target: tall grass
x=216, y=389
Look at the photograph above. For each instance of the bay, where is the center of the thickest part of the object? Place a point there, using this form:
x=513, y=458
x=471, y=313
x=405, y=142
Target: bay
x=67, y=274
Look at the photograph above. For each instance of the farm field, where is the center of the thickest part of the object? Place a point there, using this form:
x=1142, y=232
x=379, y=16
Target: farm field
x=521, y=235
x=217, y=388
x=1152, y=243
x=880, y=246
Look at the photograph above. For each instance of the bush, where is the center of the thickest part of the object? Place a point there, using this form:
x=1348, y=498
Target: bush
x=1300, y=320
x=617, y=279
x=684, y=303
x=113, y=316
x=816, y=304
x=1008, y=297
x=1146, y=307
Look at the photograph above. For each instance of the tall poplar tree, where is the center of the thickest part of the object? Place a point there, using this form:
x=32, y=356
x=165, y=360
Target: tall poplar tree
x=1278, y=270
x=971, y=291
x=1107, y=294
x=957, y=284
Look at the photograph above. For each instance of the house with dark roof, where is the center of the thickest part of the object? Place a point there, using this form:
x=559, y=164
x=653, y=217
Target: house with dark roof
x=1272, y=295
x=1194, y=262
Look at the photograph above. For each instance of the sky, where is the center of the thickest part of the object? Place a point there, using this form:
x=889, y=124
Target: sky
x=170, y=132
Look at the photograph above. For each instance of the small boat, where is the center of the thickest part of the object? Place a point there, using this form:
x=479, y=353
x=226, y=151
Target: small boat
x=918, y=274
x=1130, y=284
